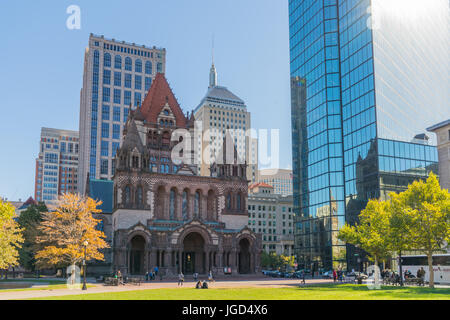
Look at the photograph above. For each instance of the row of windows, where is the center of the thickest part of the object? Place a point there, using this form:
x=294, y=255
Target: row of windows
x=129, y=62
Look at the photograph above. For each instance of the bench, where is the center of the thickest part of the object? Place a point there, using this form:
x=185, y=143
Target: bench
x=110, y=281
x=134, y=280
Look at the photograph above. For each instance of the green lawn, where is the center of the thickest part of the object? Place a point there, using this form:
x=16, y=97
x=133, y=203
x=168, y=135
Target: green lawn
x=319, y=292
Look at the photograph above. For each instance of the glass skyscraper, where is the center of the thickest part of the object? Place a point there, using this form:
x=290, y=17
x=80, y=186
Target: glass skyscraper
x=367, y=78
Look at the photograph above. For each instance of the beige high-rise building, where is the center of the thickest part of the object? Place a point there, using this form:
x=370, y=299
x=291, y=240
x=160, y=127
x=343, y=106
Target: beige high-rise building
x=219, y=112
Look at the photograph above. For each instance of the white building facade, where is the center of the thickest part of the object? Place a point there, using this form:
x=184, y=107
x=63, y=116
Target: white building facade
x=271, y=215
x=116, y=74
x=280, y=179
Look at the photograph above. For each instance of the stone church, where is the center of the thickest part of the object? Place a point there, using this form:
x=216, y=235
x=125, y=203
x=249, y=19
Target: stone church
x=165, y=215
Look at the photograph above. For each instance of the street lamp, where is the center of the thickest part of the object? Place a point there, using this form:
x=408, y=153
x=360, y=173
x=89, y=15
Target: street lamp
x=85, y=244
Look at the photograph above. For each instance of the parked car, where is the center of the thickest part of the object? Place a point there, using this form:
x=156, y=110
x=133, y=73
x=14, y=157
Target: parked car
x=327, y=275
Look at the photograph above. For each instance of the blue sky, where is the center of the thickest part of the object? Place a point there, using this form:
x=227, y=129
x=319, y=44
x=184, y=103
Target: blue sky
x=42, y=64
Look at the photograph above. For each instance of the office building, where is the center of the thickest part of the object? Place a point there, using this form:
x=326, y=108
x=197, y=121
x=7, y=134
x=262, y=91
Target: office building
x=56, y=165
x=364, y=77
x=271, y=215
x=116, y=75
x=442, y=131
x=218, y=112
x=280, y=179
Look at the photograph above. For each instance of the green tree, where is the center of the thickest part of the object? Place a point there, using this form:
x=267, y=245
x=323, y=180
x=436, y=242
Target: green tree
x=10, y=236
x=370, y=233
x=29, y=220
x=427, y=209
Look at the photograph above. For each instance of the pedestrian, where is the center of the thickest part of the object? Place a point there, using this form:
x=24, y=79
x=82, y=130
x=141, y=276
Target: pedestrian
x=303, y=277
x=156, y=269
x=195, y=276
x=180, y=279
x=146, y=276
x=334, y=275
x=210, y=276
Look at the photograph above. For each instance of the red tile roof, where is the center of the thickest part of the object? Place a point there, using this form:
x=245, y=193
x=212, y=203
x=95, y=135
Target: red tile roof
x=260, y=184
x=160, y=93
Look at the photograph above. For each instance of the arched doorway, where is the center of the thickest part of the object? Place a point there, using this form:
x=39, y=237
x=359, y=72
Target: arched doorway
x=137, y=251
x=193, y=254
x=244, y=256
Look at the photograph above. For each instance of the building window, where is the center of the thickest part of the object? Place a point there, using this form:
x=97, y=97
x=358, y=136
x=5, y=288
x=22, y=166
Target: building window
x=127, y=98
x=107, y=60
x=159, y=67
x=197, y=204
x=118, y=62
x=104, y=166
x=172, y=205
x=106, y=76
x=127, y=80
x=116, y=114
x=148, y=83
x=139, y=196
x=105, y=130
x=117, y=79
x=137, y=98
x=116, y=131
x=105, y=148
x=117, y=96
x=184, y=206
x=138, y=66
x=128, y=64
x=138, y=82
x=105, y=112
x=148, y=67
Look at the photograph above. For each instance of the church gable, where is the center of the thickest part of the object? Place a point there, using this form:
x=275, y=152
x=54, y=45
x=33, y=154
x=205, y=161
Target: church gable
x=158, y=98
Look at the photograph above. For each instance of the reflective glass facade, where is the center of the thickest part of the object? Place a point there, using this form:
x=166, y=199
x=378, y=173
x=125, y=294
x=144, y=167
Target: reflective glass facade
x=336, y=125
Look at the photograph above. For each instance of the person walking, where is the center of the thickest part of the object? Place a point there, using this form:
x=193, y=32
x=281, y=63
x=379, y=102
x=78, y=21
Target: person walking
x=334, y=275
x=180, y=279
x=303, y=277
x=195, y=276
x=210, y=276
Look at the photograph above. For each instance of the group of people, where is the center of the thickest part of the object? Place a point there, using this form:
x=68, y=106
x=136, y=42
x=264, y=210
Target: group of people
x=338, y=275
x=200, y=284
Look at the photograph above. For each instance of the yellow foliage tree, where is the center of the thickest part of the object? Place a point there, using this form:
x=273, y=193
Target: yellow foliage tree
x=10, y=236
x=64, y=231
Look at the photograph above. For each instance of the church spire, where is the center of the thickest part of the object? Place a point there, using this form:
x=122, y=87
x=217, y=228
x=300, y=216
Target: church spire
x=212, y=72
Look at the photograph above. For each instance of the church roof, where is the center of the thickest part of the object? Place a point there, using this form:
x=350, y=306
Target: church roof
x=132, y=138
x=159, y=94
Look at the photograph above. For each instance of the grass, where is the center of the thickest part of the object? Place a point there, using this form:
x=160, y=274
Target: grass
x=317, y=292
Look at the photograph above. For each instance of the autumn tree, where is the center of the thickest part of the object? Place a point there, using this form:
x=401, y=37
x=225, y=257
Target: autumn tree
x=29, y=221
x=427, y=208
x=370, y=232
x=66, y=228
x=10, y=236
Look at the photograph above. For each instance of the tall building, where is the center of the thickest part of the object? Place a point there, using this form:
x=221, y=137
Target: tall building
x=271, y=215
x=364, y=75
x=116, y=76
x=218, y=112
x=56, y=164
x=166, y=215
x=442, y=131
x=279, y=179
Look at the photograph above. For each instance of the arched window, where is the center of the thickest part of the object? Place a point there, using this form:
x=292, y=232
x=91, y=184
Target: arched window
x=172, y=205
x=229, y=201
x=128, y=64
x=127, y=195
x=238, y=201
x=197, y=204
x=185, y=206
x=138, y=66
x=139, y=196
x=118, y=62
x=148, y=67
x=159, y=67
x=107, y=60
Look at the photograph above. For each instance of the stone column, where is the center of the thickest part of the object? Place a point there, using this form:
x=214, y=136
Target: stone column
x=168, y=258
x=191, y=205
x=153, y=258
x=207, y=261
x=180, y=263
x=204, y=207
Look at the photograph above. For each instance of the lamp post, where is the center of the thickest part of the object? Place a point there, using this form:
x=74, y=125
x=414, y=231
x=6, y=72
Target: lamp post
x=85, y=244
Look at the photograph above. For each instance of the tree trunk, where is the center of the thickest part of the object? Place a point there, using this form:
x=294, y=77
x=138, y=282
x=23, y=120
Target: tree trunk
x=377, y=281
x=430, y=268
